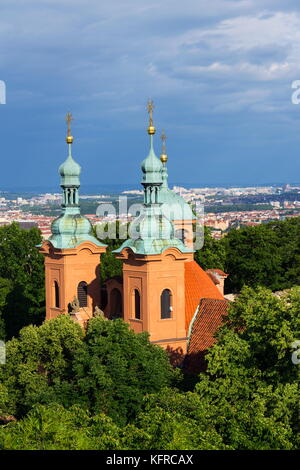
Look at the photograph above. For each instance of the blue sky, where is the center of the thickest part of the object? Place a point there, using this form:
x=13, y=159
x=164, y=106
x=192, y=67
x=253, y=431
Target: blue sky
x=219, y=72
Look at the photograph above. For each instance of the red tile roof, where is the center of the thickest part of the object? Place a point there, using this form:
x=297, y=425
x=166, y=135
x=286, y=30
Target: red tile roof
x=210, y=316
x=198, y=285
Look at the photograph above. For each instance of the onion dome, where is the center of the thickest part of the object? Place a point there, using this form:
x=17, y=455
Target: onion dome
x=151, y=233
x=174, y=206
x=69, y=230
x=152, y=167
x=151, y=223
x=70, y=171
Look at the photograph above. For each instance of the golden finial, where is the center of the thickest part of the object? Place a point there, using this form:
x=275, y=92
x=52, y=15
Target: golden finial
x=164, y=156
x=150, y=107
x=69, y=138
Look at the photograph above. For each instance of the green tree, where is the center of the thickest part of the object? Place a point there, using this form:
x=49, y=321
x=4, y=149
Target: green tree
x=117, y=367
x=249, y=397
x=251, y=382
x=38, y=367
x=109, y=369
x=53, y=427
x=267, y=255
x=172, y=420
x=288, y=233
x=212, y=254
x=22, y=268
x=110, y=266
x=110, y=388
x=5, y=289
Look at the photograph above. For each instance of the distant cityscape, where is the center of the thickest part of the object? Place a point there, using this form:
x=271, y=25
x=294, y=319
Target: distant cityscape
x=224, y=208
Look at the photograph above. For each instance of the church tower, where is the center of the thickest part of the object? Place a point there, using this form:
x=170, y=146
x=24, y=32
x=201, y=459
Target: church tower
x=154, y=264
x=72, y=253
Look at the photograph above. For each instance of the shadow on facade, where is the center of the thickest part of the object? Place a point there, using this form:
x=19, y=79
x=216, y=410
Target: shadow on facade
x=176, y=356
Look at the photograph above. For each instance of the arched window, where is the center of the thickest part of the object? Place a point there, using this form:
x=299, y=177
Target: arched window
x=82, y=294
x=137, y=304
x=116, y=310
x=56, y=294
x=166, y=304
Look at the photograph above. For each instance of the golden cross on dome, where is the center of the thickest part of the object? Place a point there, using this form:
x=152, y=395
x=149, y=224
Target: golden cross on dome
x=163, y=138
x=150, y=107
x=69, y=118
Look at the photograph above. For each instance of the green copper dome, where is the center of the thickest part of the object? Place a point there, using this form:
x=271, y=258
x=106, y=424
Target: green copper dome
x=152, y=246
x=151, y=224
x=69, y=230
x=70, y=171
x=174, y=207
x=151, y=167
x=152, y=233
x=70, y=167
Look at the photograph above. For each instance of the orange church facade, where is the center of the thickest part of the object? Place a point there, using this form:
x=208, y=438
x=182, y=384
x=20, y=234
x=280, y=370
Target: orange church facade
x=67, y=272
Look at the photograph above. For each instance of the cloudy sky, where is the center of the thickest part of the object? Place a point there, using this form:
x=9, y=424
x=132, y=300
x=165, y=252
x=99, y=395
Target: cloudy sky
x=219, y=72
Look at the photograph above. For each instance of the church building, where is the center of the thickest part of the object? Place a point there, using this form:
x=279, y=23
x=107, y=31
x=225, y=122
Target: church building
x=162, y=291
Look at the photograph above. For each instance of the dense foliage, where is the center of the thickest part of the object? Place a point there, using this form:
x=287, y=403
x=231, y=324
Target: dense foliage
x=267, y=254
x=263, y=255
x=21, y=279
x=108, y=369
x=212, y=254
x=112, y=389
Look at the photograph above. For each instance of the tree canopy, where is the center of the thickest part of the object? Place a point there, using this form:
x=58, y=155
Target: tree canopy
x=112, y=389
x=108, y=369
x=212, y=254
x=267, y=254
x=264, y=255
x=22, y=296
